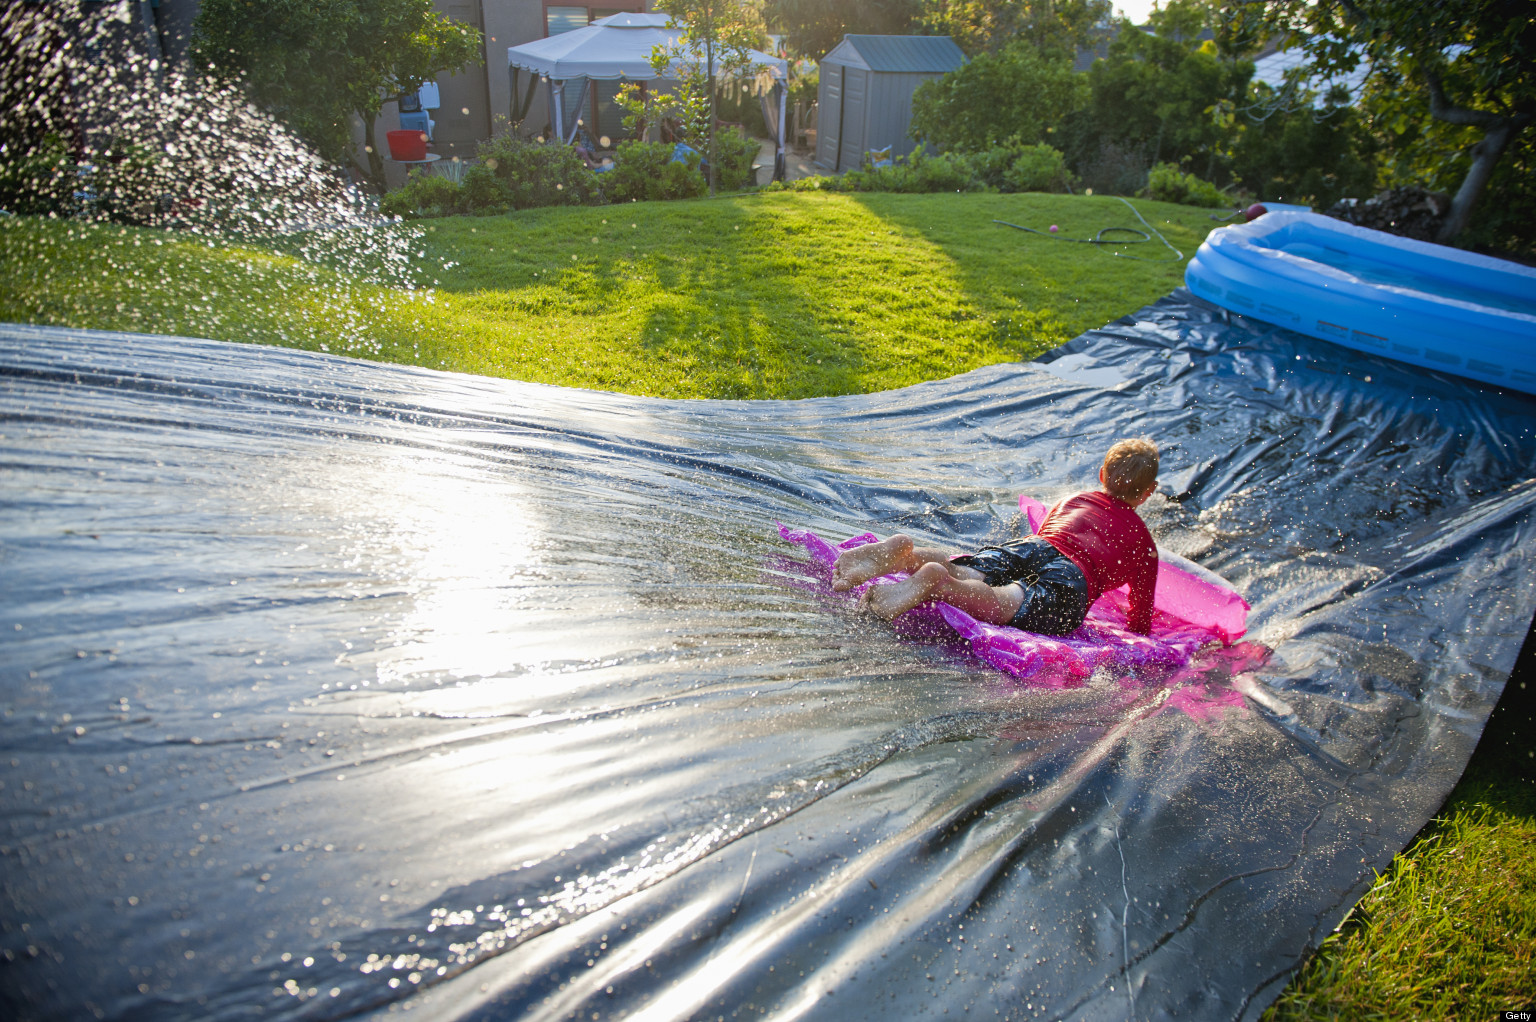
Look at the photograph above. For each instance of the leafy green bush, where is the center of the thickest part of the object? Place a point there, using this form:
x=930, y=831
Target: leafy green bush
x=645, y=172
x=918, y=173
x=1037, y=168
x=1014, y=95
x=1022, y=168
x=424, y=195
x=1166, y=184
x=37, y=180
x=539, y=174
x=483, y=193
x=1013, y=168
x=735, y=153
x=132, y=184
x=1307, y=155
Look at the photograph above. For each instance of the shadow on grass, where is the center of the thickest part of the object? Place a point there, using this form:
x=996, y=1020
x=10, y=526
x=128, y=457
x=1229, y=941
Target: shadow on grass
x=797, y=295
x=713, y=291
x=1092, y=284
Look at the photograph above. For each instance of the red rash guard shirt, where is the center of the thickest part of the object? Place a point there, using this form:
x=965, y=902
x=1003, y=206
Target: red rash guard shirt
x=1109, y=542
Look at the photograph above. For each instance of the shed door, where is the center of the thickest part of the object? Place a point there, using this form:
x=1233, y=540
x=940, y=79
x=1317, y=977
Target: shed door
x=829, y=115
x=855, y=108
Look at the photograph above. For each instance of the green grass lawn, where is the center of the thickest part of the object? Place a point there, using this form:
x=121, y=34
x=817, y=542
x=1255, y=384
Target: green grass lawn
x=1449, y=931
x=759, y=296
x=792, y=295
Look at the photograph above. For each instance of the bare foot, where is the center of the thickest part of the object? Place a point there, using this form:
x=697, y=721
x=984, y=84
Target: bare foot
x=863, y=563
x=889, y=601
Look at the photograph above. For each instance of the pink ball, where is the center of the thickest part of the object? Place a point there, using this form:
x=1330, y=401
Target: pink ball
x=1054, y=228
x=1254, y=211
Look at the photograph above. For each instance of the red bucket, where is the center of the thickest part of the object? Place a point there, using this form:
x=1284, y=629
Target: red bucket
x=407, y=144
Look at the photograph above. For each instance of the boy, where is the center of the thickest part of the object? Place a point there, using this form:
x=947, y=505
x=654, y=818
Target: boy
x=1087, y=545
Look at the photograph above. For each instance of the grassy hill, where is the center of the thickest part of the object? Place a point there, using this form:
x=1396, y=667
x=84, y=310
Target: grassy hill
x=772, y=296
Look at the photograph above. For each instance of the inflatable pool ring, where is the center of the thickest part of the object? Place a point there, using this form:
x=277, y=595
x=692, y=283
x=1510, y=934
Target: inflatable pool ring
x=1427, y=305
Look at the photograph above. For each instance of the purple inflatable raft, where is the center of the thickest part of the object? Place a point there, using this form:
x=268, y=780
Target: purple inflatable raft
x=1193, y=610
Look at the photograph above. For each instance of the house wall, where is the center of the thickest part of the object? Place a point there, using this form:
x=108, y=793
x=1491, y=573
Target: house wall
x=510, y=23
x=465, y=116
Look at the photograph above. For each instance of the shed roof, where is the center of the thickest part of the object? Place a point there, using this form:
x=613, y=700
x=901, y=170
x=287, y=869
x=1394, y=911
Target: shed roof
x=923, y=53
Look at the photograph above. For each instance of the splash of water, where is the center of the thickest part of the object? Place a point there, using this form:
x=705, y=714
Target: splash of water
x=98, y=129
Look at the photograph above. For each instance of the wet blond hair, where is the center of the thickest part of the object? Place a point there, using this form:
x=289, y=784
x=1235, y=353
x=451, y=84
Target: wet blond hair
x=1130, y=468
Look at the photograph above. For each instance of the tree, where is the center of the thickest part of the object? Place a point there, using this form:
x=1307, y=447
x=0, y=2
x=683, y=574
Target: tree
x=717, y=42
x=1016, y=95
x=1316, y=153
x=1055, y=28
x=1468, y=64
x=315, y=64
x=813, y=27
x=1171, y=94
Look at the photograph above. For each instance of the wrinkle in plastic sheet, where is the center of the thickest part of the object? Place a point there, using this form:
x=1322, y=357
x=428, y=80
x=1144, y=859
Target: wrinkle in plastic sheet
x=332, y=688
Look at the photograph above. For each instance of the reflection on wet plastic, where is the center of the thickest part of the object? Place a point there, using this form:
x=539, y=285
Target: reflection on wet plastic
x=330, y=688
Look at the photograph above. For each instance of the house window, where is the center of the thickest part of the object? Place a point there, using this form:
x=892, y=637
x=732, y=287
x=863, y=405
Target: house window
x=569, y=18
x=558, y=20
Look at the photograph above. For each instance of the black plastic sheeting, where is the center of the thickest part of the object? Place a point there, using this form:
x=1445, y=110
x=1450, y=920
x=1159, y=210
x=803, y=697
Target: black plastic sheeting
x=332, y=688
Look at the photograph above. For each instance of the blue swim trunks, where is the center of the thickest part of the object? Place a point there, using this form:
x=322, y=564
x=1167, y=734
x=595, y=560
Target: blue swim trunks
x=1055, y=591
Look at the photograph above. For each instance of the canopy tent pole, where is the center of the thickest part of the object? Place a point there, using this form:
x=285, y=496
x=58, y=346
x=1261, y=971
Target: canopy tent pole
x=778, y=161
x=557, y=107
x=581, y=98
x=773, y=116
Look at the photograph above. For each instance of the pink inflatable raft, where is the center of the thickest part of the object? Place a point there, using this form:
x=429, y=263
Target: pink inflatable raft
x=1193, y=609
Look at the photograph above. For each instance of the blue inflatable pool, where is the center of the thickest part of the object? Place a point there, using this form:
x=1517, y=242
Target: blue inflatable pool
x=1427, y=305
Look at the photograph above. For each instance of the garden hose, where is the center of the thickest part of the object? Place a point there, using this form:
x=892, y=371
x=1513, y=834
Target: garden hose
x=1100, y=238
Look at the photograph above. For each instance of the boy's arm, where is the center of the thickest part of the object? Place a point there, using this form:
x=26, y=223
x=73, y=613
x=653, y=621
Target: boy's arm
x=1143, y=588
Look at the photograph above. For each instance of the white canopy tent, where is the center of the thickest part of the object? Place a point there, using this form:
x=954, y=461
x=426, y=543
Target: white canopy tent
x=619, y=47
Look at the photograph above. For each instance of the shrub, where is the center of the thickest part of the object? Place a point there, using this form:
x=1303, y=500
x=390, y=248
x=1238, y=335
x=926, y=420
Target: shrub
x=943, y=173
x=918, y=173
x=539, y=174
x=1037, y=168
x=482, y=192
x=1166, y=184
x=1112, y=169
x=424, y=195
x=735, y=153
x=1308, y=155
x=645, y=172
x=1017, y=93
x=1022, y=168
x=38, y=180
x=132, y=184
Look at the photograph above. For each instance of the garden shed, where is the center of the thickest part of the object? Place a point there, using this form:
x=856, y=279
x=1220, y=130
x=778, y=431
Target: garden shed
x=865, y=98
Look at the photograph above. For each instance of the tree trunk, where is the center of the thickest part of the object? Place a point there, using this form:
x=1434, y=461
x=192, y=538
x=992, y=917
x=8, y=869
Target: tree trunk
x=375, y=158
x=709, y=67
x=1498, y=131
x=1485, y=156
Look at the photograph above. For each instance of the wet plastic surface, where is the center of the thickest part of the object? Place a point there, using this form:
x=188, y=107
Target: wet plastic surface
x=331, y=687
